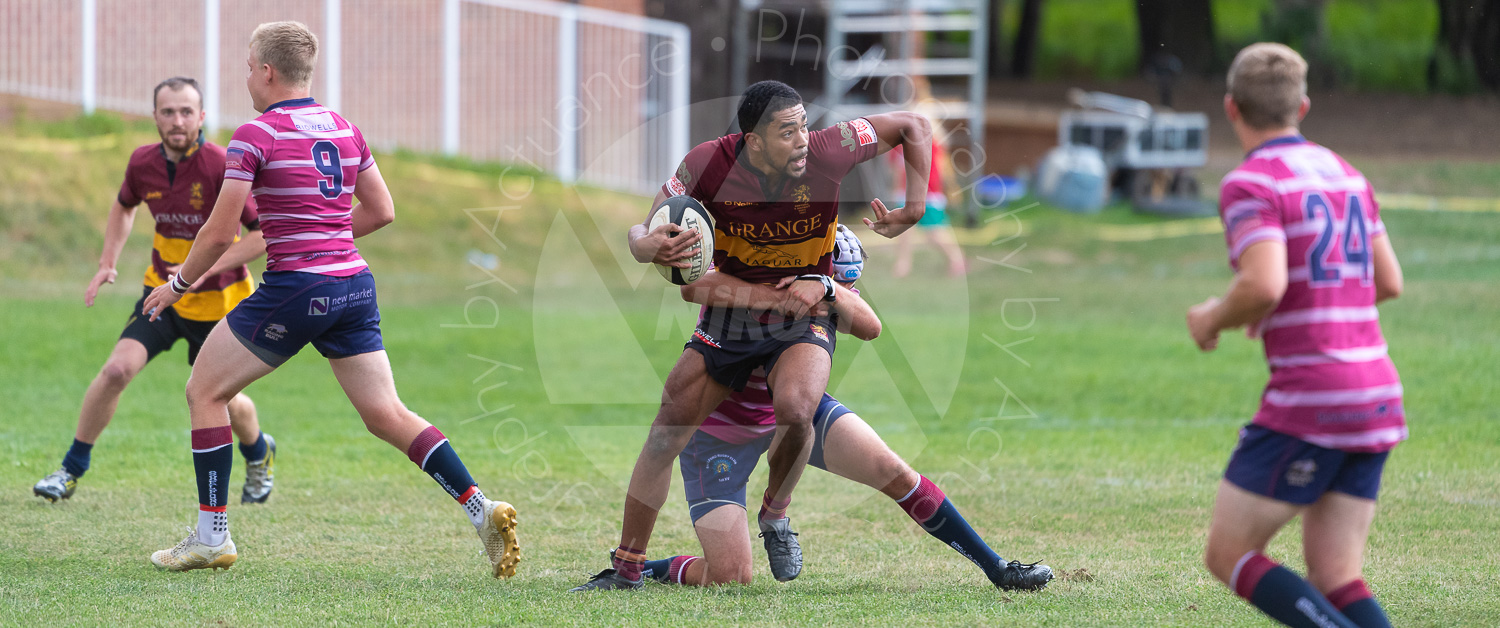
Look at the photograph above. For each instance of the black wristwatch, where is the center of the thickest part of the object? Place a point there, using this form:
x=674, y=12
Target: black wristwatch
x=829, y=294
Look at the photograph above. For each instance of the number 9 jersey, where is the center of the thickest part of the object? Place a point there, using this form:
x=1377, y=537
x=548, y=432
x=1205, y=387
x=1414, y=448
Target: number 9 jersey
x=1332, y=383
x=302, y=160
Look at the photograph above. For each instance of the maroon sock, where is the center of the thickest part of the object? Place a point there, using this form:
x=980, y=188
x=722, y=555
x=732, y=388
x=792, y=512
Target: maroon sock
x=678, y=568
x=629, y=561
x=1356, y=602
x=1349, y=594
x=772, y=509
x=1282, y=595
x=923, y=500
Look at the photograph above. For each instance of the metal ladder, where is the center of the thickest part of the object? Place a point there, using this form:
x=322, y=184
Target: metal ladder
x=895, y=20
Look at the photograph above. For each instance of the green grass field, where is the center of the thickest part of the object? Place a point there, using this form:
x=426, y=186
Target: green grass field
x=1090, y=435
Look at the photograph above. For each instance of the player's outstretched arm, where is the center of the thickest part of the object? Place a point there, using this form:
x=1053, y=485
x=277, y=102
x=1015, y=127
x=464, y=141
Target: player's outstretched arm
x=913, y=133
x=856, y=317
x=116, y=231
x=215, y=237
x=375, y=208
x=1388, y=281
x=1254, y=293
x=668, y=244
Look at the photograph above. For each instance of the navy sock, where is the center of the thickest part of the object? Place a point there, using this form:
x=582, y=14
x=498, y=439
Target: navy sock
x=1356, y=602
x=255, y=451
x=657, y=569
x=1367, y=613
x=212, y=460
x=930, y=508
x=1283, y=595
x=951, y=528
x=433, y=454
x=77, y=459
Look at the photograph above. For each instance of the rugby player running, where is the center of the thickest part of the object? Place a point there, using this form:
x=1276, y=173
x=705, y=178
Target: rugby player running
x=308, y=165
x=773, y=192
x=1311, y=259
x=179, y=180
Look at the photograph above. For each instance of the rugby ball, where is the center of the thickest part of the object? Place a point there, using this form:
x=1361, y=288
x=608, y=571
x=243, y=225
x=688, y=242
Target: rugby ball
x=688, y=213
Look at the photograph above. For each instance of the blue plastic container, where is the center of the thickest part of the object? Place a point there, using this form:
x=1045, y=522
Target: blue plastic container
x=1074, y=178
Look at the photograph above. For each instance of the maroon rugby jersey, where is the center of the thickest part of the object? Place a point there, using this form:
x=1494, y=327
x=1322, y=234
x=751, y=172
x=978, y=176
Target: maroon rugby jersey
x=181, y=196
x=763, y=234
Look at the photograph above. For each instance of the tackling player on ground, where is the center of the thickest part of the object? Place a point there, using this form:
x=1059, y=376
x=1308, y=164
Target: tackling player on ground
x=1311, y=259
x=307, y=165
x=717, y=462
x=773, y=193
x=179, y=180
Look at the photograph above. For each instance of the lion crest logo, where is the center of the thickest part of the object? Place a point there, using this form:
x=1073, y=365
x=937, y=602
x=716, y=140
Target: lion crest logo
x=197, y=196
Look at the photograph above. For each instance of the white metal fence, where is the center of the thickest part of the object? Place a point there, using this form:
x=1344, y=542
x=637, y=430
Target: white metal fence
x=594, y=96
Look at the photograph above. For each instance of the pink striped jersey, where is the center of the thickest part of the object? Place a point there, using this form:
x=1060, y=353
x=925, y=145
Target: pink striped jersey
x=302, y=159
x=1332, y=383
x=746, y=415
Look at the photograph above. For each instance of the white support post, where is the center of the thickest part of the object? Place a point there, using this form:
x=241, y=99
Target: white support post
x=834, y=86
x=211, y=105
x=90, y=93
x=677, y=138
x=978, y=87
x=979, y=51
x=333, y=30
x=567, y=94
x=452, y=33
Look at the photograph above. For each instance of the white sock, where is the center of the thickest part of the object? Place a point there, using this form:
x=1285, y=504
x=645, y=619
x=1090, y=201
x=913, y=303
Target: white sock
x=475, y=508
x=213, y=527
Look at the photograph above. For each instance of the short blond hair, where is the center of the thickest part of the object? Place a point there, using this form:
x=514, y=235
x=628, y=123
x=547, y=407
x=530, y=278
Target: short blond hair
x=1268, y=81
x=289, y=47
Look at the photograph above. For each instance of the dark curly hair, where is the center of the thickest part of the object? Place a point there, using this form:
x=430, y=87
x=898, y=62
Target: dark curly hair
x=764, y=99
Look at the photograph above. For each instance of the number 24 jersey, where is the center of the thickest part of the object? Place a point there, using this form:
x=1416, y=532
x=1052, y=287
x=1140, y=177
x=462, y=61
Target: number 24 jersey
x=1332, y=382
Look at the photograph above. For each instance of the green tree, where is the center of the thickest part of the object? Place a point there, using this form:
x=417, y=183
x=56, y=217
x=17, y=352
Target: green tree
x=1302, y=24
x=1028, y=32
x=1468, y=45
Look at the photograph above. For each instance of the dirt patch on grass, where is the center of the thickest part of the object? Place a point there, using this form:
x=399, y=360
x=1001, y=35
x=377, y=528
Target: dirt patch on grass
x=1076, y=575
